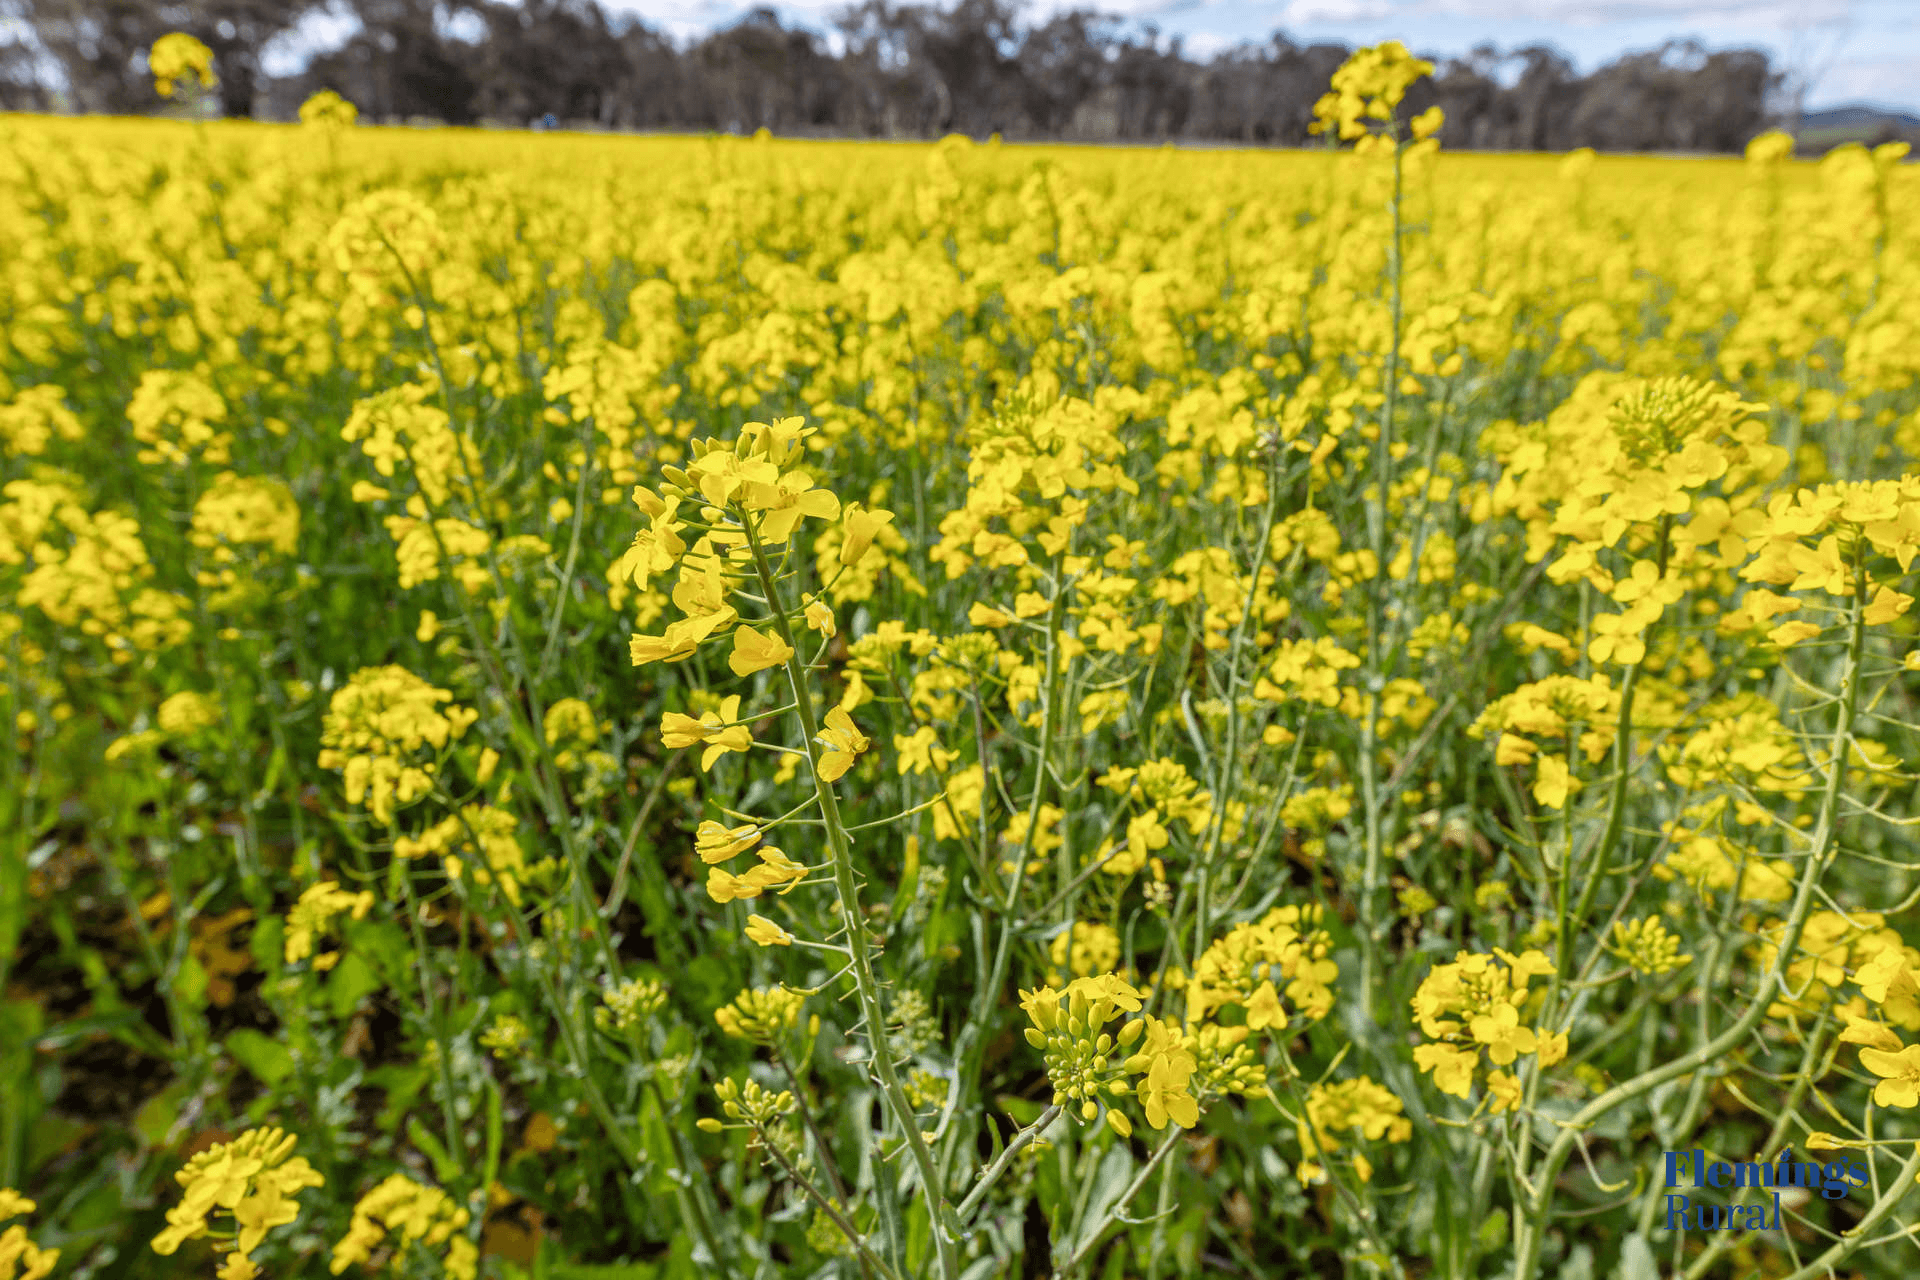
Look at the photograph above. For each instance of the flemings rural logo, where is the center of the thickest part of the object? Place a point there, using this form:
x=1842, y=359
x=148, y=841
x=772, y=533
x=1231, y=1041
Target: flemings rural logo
x=1687, y=1213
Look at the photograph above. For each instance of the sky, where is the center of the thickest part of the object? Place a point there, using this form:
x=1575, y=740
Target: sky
x=1849, y=50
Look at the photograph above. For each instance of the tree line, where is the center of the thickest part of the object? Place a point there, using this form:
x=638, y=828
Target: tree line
x=894, y=70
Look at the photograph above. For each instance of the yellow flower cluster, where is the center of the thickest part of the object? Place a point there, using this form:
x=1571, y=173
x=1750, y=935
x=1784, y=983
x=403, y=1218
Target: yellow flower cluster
x=1579, y=716
x=1887, y=971
x=310, y=916
x=1836, y=947
x=483, y=832
x=86, y=570
x=1818, y=540
x=251, y=1178
x=177, y=56
x=1248, y=966
x=715, y=844
x=754, y=497
x=20, y=1257
x=35, y=416
x=177, y=416
x=328, y=110
x=751, y=1104
x=1647, y=947
x=1069, y=1029
x=238, y=516
x=629, y=1004
x=422, y=1215
x=1473, y=1005
x=1359, y=1107
x=1087, y=948
x=375, y=727
x=1368, y=86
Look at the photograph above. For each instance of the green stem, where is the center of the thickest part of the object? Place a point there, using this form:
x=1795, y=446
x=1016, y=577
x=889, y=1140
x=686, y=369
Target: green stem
x=1370, y=927
x=1837, y=1253
x=1092, y=1237
x=994, y=1171
x=847, y=1229
x=858, y=946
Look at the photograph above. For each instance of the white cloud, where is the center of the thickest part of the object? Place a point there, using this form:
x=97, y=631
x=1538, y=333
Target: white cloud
x=1204, y=44
x=1303, y=12
x=1881, y=80
x=1773, y=14
x=320, y=32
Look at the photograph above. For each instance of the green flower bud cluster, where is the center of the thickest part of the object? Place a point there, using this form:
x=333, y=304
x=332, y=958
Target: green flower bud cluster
x=1647, y=947
x=1067, y=1027
x=1226, y=1063
x=508, y=1037
x=750, y=1103
x=630, y=1004
x=760, y=1014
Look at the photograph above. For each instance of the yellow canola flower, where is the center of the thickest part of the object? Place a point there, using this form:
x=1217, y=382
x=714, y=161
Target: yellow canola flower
x=1899, y=1075
x=776, y=871
x=251, y=1178
x=16, y=1249
x=766, y=933
x=715, y=843
x=374, y=729
x=756, y=651
x=1368, y=86
x=187, y=713
x=842, y=741
x=421, y=1215
x=861, y=528
x=328, y=110
x=179, y=56
x=34, y=418
x=310, y=916
x=1503, y=1035
x=760, y=1013
x=453, y=838
x=1451, y=1067
x=717, y=729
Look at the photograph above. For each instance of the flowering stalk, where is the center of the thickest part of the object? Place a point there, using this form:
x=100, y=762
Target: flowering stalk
x=1536, y=1204
x=973, y=1045
x=847, y=889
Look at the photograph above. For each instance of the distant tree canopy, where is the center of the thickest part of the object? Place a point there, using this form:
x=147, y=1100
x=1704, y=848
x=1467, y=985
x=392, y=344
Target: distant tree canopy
x=901, y=70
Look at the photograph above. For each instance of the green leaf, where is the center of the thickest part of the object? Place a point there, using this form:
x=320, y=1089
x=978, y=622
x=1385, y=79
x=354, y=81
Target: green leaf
x=382, y=944
x=266, y=1058
x=919, y=1236
x=1636, y=1260
x=155, y=1118
x=1115, y=1171
x=351, y=979
x=1024, y=1110
x=403, y=1085
x=268, y=944
x=190, y=983
x=495, y=1136
x=443, y=1166
x=62, y=1034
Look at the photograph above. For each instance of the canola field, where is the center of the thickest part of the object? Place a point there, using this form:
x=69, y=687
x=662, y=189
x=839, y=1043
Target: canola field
x=621, y=708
